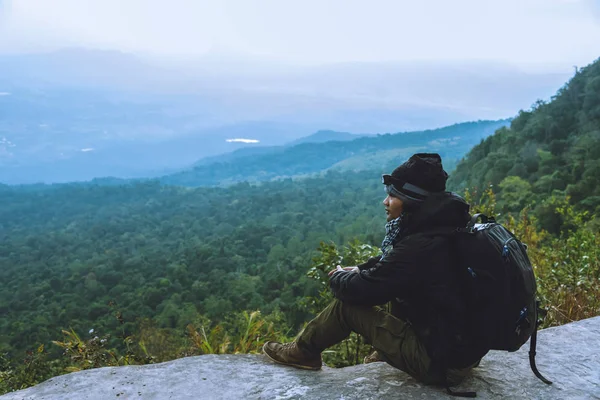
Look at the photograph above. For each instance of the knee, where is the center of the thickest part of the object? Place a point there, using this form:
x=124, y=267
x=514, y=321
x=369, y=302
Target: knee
x=336, y=306
x=336, y=302
x=340, y=309
x=341, y=304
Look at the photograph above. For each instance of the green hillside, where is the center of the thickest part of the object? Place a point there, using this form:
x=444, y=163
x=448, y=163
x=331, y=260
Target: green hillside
x=326, y=136
x=451, y=142
x=551, y=150
x=148, y=266
x=172, y=255
x=176, y=255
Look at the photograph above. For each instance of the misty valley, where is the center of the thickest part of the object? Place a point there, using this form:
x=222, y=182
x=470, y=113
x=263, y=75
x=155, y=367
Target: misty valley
x=139, y=226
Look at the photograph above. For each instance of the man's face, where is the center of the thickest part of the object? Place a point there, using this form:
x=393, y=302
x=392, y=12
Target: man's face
x=393, y=207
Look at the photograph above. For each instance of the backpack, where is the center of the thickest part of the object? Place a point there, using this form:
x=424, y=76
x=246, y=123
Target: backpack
x=499, y=285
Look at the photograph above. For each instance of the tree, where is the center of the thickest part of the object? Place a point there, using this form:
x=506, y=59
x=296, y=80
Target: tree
x=515, y=194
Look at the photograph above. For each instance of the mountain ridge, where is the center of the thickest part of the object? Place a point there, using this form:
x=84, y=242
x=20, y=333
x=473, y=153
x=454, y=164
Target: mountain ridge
x=128, y=108
x=550, y=151
x=312, y=157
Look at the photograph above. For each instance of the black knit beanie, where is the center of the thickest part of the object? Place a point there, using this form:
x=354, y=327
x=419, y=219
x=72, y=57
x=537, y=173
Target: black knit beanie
x=423, y=170
x=416, y=179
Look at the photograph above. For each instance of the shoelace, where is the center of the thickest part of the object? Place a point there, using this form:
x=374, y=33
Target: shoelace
x=287, y=346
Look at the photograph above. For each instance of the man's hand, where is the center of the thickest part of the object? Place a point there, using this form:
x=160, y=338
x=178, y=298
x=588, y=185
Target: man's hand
x=339, y=268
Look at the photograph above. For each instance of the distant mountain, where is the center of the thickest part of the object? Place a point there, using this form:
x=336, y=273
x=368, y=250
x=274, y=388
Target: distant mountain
x=65, y=135
x=78, y=114
x=255, y=151
x=326, y=136
x=551, y=150
x=378, y=152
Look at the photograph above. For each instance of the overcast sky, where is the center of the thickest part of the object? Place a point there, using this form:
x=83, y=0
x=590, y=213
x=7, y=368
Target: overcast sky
x=538, y=33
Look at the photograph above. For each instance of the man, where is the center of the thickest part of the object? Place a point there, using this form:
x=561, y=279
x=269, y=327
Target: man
x=425, y=333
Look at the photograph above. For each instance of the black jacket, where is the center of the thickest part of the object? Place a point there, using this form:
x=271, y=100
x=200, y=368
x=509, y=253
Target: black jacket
x=417, y=276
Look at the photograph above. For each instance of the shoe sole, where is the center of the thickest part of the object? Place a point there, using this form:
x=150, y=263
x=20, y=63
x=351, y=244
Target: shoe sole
x=368, y=360
x=290, y=364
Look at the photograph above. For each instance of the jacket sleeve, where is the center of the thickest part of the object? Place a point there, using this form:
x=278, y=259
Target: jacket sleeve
x=370, y=263
x=393, y=274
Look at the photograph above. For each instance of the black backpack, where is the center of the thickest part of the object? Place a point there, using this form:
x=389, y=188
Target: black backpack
x=500, y=289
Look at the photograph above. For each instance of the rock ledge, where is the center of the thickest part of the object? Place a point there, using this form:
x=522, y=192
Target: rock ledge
x=568, y=355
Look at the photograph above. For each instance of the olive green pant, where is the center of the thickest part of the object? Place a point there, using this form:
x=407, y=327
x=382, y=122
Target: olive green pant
x=395, y=340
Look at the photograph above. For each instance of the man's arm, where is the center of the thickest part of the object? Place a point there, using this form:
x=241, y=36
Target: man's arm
x=395, y=273
x=370, y=263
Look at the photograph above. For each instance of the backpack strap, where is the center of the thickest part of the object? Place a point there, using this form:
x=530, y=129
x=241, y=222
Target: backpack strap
x=444, y=231
x=450, y=231
x=533, y=344
x=484, y=220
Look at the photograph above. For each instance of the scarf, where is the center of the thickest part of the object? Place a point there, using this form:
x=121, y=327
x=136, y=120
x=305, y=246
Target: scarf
x=393, y=231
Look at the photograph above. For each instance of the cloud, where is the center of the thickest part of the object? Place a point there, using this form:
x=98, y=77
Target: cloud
x=181, y=26
x=242, y=141
x=3, y=10
x=316, y=31
x=594, y=6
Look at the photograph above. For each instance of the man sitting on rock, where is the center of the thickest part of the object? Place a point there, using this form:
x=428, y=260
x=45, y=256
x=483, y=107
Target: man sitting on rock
x=425, y=333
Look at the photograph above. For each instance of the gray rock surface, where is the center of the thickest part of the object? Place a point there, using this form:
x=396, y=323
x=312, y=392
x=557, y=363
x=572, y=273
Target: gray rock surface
x=569, y=355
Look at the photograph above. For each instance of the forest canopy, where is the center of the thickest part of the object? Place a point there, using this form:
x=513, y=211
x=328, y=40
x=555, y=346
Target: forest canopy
x=142, y=256
x=551, y=150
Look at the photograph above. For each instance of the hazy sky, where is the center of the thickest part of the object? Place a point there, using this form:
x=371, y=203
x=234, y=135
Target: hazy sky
x=524, y=32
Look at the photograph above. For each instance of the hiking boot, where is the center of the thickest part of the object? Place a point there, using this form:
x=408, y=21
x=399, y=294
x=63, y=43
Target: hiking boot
x=291, y=354
x=373, y=357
